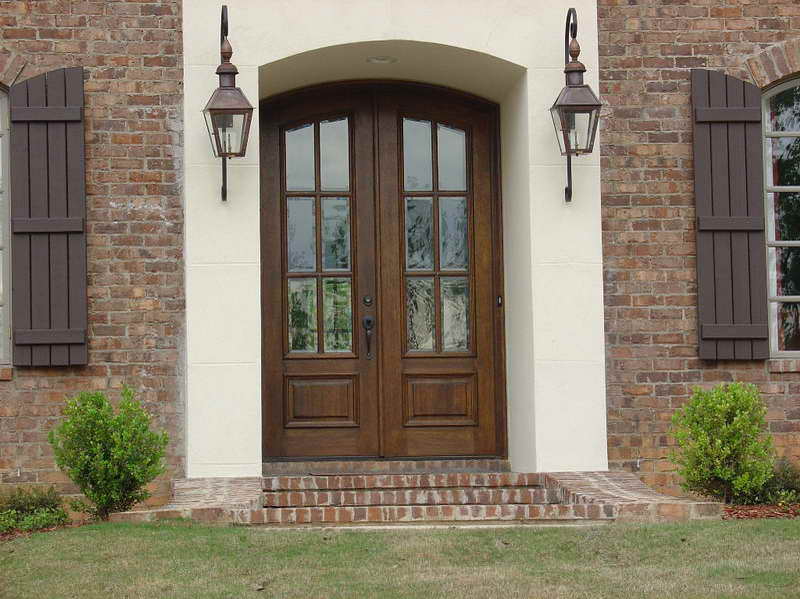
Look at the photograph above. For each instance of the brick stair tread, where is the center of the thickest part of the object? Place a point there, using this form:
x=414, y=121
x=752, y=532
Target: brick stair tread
x=430, y=513
x=400, y=481
x=429, y=496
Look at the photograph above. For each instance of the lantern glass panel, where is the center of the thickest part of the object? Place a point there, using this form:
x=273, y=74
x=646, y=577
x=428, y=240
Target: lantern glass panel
x=574, y=129
x=227, y=132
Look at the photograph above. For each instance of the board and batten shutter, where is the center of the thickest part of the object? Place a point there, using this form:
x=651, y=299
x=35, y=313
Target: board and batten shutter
x=731, y=250
x=48, y=211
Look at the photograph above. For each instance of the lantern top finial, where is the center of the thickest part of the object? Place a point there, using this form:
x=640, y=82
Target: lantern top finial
x=226, y=50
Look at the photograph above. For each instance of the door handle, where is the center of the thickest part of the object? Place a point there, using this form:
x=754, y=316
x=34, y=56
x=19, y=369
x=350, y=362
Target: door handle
x=369, y=327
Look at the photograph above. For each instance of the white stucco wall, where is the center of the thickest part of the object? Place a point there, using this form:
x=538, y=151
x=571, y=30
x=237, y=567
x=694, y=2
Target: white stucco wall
x=509, y=51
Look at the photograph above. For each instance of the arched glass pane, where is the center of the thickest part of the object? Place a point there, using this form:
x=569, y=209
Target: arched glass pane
x=417, y=155
x=452, y=158
x=784, y=110
x=300, y=158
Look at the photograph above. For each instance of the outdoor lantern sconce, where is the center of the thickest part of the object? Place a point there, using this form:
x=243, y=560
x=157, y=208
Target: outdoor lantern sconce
x=228, y=113
x=576, y=111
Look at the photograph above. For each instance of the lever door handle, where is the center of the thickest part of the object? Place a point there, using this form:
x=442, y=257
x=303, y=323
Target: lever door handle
x=369, y=327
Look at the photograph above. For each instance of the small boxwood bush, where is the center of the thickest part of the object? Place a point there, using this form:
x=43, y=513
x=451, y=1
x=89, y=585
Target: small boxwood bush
x=31, y=509
x=111, y=455
x=724, y=450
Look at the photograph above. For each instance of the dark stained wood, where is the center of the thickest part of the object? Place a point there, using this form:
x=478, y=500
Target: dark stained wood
x=57, y=208
x=731, y=265
x=397, y=404
x=731, y=223
x=47, y=225
x=50, y=336
x=48, y=113
x=733, y=113
x=76, y=208
x=21, y=244
x=740, y=332
x=48, y=210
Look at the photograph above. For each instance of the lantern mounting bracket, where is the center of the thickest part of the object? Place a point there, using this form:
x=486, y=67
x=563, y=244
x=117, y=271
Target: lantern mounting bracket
x=570, y=31
x=223, y=35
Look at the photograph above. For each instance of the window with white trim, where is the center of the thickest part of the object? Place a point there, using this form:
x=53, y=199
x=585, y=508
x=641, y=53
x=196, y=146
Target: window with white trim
x=782, y=193
x=5, y=237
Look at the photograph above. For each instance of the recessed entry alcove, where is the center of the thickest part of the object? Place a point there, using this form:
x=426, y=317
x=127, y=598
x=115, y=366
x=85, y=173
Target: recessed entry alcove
x=403, y=235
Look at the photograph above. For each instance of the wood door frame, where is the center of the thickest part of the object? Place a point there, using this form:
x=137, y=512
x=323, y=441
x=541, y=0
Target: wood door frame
x=267, y=228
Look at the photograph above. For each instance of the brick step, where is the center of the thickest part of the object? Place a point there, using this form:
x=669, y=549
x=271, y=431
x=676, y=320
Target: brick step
x=430, y=513
x=401, y=481
x=378, y=466
x=410, y=497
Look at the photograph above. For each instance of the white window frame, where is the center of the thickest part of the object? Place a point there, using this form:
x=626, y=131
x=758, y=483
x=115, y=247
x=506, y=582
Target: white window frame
x=5, y=230
x=769, y=213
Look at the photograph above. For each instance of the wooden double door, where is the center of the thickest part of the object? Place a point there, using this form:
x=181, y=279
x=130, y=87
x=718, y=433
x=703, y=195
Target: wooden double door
x=381, y=282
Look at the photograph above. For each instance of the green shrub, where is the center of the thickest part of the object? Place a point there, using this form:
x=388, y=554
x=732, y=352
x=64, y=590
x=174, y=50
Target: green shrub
x=784, y=486
x=8, y=520
x=26, y=501
x=724, y=449
x=34, y=520
x=42, y=518
x=111, y=455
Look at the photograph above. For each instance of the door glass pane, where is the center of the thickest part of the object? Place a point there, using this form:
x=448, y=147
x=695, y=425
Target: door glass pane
x=334, y=155
x=419, y=233
x=452, y=157
x=455, y=313
x=420, y=313
x=301, y=234
x=784, y=110
x=787, y=216
x=337, y=315
x=302, y=315
x=335, y=234
x=788, y=326
x=417, y=155
x=786, y=262
x=300, y=158
x=453, y=231
x=785, y=161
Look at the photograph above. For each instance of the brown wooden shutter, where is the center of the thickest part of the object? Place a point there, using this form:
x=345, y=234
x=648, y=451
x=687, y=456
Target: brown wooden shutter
x=48, y=210
x=731, y=250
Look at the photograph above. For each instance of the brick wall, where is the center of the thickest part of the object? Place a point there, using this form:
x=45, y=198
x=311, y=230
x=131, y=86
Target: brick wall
x=131, y=51
x=646, y=50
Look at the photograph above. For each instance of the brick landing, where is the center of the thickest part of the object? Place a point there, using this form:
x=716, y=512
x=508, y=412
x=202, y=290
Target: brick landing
x=409, y=498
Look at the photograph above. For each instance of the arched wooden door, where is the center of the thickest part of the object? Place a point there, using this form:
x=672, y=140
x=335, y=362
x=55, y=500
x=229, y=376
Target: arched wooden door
x=381, y=274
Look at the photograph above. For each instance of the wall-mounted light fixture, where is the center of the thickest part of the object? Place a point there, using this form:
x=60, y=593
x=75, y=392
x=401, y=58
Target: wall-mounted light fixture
x=576, y=111
x=228, y=113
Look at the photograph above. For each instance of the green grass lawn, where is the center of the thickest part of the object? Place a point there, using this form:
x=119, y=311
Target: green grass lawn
x=704, y=559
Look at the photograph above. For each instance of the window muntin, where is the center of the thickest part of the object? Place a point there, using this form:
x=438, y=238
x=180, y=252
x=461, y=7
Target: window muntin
x=782, y=195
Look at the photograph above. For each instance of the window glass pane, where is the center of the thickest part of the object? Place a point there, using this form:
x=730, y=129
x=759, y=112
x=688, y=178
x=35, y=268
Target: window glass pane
x=302, y=315
x=419, y=233
x=453, y=232
x=335, y=234
x=452, y=157
x=786, y=208
x=420, y=313
x=337, y=315
x=334, y=155
x=786, y=265
x=788, y=322
x=300, y=159
x=785, y=167
x=455, y=313
x=417, y=155
x=784, y=110
x=301, y=234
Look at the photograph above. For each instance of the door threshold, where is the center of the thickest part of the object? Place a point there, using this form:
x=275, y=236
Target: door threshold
x=362, y=465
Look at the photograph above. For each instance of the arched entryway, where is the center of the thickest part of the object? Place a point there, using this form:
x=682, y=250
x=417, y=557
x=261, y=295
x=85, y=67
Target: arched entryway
x=382, y=308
